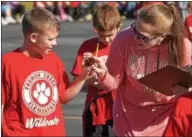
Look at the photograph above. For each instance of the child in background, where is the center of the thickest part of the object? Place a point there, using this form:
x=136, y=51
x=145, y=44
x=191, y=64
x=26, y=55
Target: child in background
x=34, y=80
x=45, y=4
x=188, y=21
x=182, y=7
x=180, y=122
x=98, y=105
x=6, y=13
x=18, y=10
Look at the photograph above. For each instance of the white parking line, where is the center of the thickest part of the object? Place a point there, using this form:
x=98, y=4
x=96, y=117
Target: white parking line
x=73, y=117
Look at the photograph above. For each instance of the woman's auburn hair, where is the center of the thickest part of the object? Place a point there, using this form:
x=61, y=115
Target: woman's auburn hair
x=167, y=20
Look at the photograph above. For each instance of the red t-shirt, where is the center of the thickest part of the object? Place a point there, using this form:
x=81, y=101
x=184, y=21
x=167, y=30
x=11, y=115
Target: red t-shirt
x=188, y=24
x=180, y=123
x=75, y=4
x=102, y=108
x=32, y=92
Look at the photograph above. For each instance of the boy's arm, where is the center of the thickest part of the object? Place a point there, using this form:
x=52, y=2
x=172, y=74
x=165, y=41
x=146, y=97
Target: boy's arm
x=69, y=91
x=90, y=80
x=77, y=67
x=75, y=87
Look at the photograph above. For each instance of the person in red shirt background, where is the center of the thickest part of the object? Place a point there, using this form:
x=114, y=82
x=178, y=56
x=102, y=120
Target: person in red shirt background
x=45, y=4
x=180, y=122
x=188, y=21
x=34, y=80
x=97, y=114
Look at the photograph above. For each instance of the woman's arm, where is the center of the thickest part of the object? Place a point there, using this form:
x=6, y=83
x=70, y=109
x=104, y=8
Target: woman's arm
x=112, y=74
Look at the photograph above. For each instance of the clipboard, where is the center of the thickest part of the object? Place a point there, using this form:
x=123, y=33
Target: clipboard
x=163, y=79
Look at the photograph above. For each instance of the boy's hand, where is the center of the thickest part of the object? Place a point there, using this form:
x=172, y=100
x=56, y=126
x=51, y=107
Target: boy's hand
x=178, y=89
x=86, y=69
x=85, y=73
x=86, y=57
x=99, y=66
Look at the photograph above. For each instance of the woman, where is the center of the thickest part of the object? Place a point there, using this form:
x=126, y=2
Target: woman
x=156, y=39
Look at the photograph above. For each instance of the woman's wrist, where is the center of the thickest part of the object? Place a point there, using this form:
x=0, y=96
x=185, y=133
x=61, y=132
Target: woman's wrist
x=102, y=75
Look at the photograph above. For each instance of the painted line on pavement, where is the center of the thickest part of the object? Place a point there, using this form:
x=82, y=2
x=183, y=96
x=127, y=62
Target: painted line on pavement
x=73, y=117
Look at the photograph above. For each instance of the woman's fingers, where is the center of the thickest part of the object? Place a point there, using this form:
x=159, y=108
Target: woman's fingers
x=98, y=60
x=97, y=65
x=96, y=69
x=87, y=55
x=177, y=89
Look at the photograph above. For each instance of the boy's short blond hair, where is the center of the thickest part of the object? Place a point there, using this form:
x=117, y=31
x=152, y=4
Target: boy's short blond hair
x=106, y=18
x=39, y=20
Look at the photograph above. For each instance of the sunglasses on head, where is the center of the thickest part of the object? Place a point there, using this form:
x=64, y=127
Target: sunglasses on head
x=142, y=38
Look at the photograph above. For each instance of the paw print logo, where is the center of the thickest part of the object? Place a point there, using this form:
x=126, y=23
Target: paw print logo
x=42, y=93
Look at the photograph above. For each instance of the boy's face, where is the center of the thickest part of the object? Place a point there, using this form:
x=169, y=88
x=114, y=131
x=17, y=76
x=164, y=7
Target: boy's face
x=44, y=42
x=107, y=37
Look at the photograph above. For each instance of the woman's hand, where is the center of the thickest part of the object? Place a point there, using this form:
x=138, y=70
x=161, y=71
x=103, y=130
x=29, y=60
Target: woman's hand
x=93, y=80
x=178, y=89
x=98, y=67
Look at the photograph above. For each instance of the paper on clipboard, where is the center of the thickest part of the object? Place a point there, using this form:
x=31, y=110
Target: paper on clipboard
x=163, y=79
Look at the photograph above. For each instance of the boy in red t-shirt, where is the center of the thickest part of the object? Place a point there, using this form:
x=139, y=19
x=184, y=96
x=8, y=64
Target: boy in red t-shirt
x=180, y=122
x=188, y=21
x=98, y=105
x=34, y=80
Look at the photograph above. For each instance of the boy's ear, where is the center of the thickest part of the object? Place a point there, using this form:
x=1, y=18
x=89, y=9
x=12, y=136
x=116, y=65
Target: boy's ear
x=33, y=37
x=94, y=30
x=119, y=27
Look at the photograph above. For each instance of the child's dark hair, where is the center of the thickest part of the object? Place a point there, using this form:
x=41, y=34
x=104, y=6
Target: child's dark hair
x=39, y=20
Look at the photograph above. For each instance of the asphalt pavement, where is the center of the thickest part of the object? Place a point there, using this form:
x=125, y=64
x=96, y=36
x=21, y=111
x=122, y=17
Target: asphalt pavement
x=69, y=40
